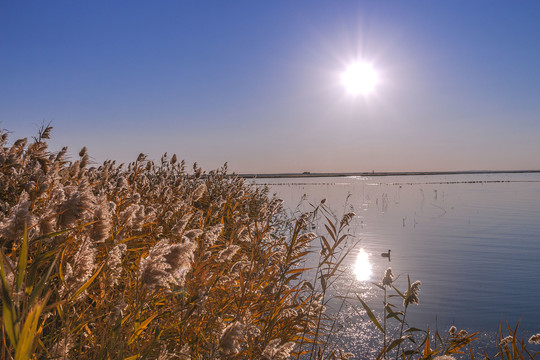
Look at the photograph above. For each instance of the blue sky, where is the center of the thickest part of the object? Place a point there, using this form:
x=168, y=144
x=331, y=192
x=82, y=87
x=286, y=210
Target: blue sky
x=257, y=83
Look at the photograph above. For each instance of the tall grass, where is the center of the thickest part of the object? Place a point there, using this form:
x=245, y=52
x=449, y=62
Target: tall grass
x=151, y=260
x=148, y=261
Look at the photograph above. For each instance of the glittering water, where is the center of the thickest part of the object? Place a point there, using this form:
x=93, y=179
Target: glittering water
x=472, y=240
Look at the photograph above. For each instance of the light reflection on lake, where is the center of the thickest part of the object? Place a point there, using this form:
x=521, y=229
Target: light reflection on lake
x=362, y=266
x=473, y=241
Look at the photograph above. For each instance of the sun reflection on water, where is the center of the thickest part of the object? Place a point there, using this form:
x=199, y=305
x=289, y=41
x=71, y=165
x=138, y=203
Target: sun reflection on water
x=362, y=267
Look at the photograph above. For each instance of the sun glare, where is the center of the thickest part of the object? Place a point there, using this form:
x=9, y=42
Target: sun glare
x=362, y=267
x=360, y=79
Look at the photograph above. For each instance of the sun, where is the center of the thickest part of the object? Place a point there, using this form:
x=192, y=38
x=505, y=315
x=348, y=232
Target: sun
x=360, y=79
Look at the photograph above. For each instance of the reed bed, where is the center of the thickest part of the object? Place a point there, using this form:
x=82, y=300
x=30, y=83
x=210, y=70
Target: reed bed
x=151, y=260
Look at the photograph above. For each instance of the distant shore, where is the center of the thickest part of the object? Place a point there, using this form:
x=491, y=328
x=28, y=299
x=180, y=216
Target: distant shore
x=375, y=173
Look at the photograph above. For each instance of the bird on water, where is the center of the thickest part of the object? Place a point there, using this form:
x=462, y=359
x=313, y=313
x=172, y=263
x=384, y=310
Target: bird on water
x=386, y=255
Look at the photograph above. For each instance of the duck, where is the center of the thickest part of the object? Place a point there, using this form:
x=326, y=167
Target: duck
x=386, y=255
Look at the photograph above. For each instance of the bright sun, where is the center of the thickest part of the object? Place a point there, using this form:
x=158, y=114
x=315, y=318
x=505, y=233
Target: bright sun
x=360, y=78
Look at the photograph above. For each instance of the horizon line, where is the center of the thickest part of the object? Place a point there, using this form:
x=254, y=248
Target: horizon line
x=380, y=173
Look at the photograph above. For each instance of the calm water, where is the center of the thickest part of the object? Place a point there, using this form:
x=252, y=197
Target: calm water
x=472, y=240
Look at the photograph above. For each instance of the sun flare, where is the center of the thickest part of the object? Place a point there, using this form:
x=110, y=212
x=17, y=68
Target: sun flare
x=362, y=267
x=360, y=79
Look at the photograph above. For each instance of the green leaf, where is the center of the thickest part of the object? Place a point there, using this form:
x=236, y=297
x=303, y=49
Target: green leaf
x=8, y=312
x=25, y=345
x=36, y=291
x=23, y=257
x=8, y=317
x=370, y=314
x=36, y=266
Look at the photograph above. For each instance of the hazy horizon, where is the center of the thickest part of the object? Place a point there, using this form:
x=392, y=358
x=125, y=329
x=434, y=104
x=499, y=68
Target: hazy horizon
x=257, y=84
x=398, y=173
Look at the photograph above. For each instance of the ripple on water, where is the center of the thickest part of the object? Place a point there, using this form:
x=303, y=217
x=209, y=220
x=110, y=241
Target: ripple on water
x=473, y=241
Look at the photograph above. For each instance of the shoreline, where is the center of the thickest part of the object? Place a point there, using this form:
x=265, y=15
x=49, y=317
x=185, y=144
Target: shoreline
x=396, y=173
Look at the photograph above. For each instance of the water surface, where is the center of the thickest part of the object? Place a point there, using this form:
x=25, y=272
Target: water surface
x=472, y=240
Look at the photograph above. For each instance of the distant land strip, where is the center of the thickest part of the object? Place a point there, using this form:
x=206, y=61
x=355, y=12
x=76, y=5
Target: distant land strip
x=308, y=174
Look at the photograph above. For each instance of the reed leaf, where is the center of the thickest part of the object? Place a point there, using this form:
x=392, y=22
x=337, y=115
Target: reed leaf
x=399, y=292
x=87, y=283
x=23, y=257
x=326, y=245
x=140, y=328
x=29, y=332
x=61, y=232
x=332, y=232
x=9, y=318
x=471, y=353
x=427, y=347
x=395, y=343
x=378, y=285
x=37, y=289
x=413, y=329
x=370, y=314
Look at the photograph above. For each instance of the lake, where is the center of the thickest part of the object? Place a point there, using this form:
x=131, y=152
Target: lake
x=472, y=240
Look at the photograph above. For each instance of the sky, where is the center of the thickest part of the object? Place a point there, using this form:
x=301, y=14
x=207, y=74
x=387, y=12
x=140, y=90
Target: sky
x=257, y=84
